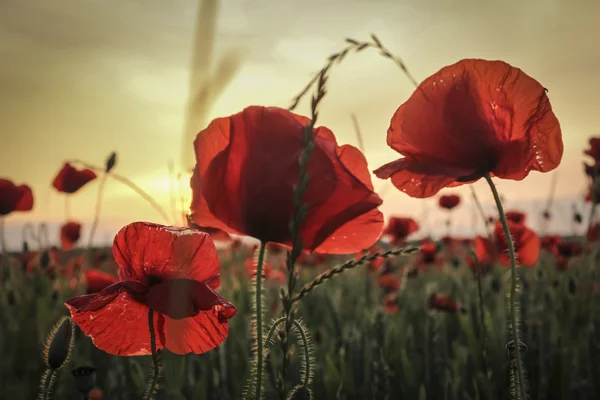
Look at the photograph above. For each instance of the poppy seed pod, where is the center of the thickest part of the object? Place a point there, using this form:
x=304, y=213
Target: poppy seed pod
x=85, y=378
x=59, y=343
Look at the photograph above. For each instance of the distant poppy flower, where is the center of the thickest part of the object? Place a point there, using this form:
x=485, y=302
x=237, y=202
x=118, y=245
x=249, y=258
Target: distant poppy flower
x=14, y=198
x=443, y=303
x=449, y=201
x=592, y=170
x=247, y=166
x=565, y=252
x=390, y=304
x=526, y=242
x=551, y=243
x=215, y=234
x=398, y=228
x=70, y=234
x=428, y=256
x=515, y=216
x=96, y=280
x=389, y=283
x=70, y=179
x=172, y=271
x=469, y=119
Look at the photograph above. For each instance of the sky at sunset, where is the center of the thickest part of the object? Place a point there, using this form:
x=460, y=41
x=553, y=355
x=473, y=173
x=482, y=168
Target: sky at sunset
x=82, y=78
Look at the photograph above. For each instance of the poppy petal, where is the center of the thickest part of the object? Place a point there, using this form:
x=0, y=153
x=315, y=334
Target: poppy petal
x=14, y=198
x=529, y=248
x=364, y=230
x=120, y=327
x=144, y=249
x=198, y=334
x=421, y=178
x=184, y=298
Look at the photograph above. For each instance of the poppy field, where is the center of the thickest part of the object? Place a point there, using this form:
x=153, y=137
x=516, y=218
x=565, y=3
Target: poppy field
x=287, y=281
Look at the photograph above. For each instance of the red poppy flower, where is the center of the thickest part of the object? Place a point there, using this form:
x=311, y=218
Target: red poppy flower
x=247, y=166
x=174, y=272
x=449, y=201
x=428, y=253
x=70, y=234
x=96, y=280
x=390, y=304
x=527, y=245
x=566, y=251
x=551, y=243
x=398, y=228
x=389, y=283
x=14, y=198
x=443, y=303
x=70, y=180
x=515, y=216
x=469, y=119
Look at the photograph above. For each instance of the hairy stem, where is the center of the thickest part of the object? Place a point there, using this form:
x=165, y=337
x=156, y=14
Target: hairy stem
x=520, y=389
x=97, y=213
x=155, y=365
x=259, y=321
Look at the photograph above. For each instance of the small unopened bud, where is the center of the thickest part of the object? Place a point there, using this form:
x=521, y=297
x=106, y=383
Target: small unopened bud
x=85, y=378
x=547, y=215
x=577, y=217
x=111, y=161
x=59, y=343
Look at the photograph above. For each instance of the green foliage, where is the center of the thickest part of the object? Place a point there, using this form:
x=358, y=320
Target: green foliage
x=360, y=351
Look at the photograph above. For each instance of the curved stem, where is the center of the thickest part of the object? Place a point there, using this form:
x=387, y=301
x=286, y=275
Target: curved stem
x=155, y=369
x=513, y=288
x=130, y=184
x=306, y=347
x=273, y=328
x=51, y=383
x=97, y=213
x=259, y=322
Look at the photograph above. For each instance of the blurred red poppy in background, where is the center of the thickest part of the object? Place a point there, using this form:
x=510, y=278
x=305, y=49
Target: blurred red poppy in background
x=527, y=245
x=390, y=303
x=443, y=303
x=565, y=252
x=96, y=280
x=469, y=119
x=247, y=166
x=449, y=201
x=398, y=228
x=14, y=198
x=172, y=271
x=515, y=216
x=70, y=179
x=389, y=283
x=70, y=234
x=551, y=243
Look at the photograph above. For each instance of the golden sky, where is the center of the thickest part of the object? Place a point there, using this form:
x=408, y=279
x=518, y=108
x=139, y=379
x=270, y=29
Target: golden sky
x=81, y=78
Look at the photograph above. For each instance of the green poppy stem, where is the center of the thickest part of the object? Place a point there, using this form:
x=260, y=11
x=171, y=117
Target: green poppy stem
x=259, y=321
x=97, y=213
x=520, y=389
x=156, y=368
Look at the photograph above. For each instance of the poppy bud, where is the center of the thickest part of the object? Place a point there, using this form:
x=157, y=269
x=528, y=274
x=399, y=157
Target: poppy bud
x=25, y=246
x=45, y=260
x=577, y=218
x=547, y=215
x=59, y=343
x=572, y=286
x=490, y=220
x=85, y=378
x=111, y=161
